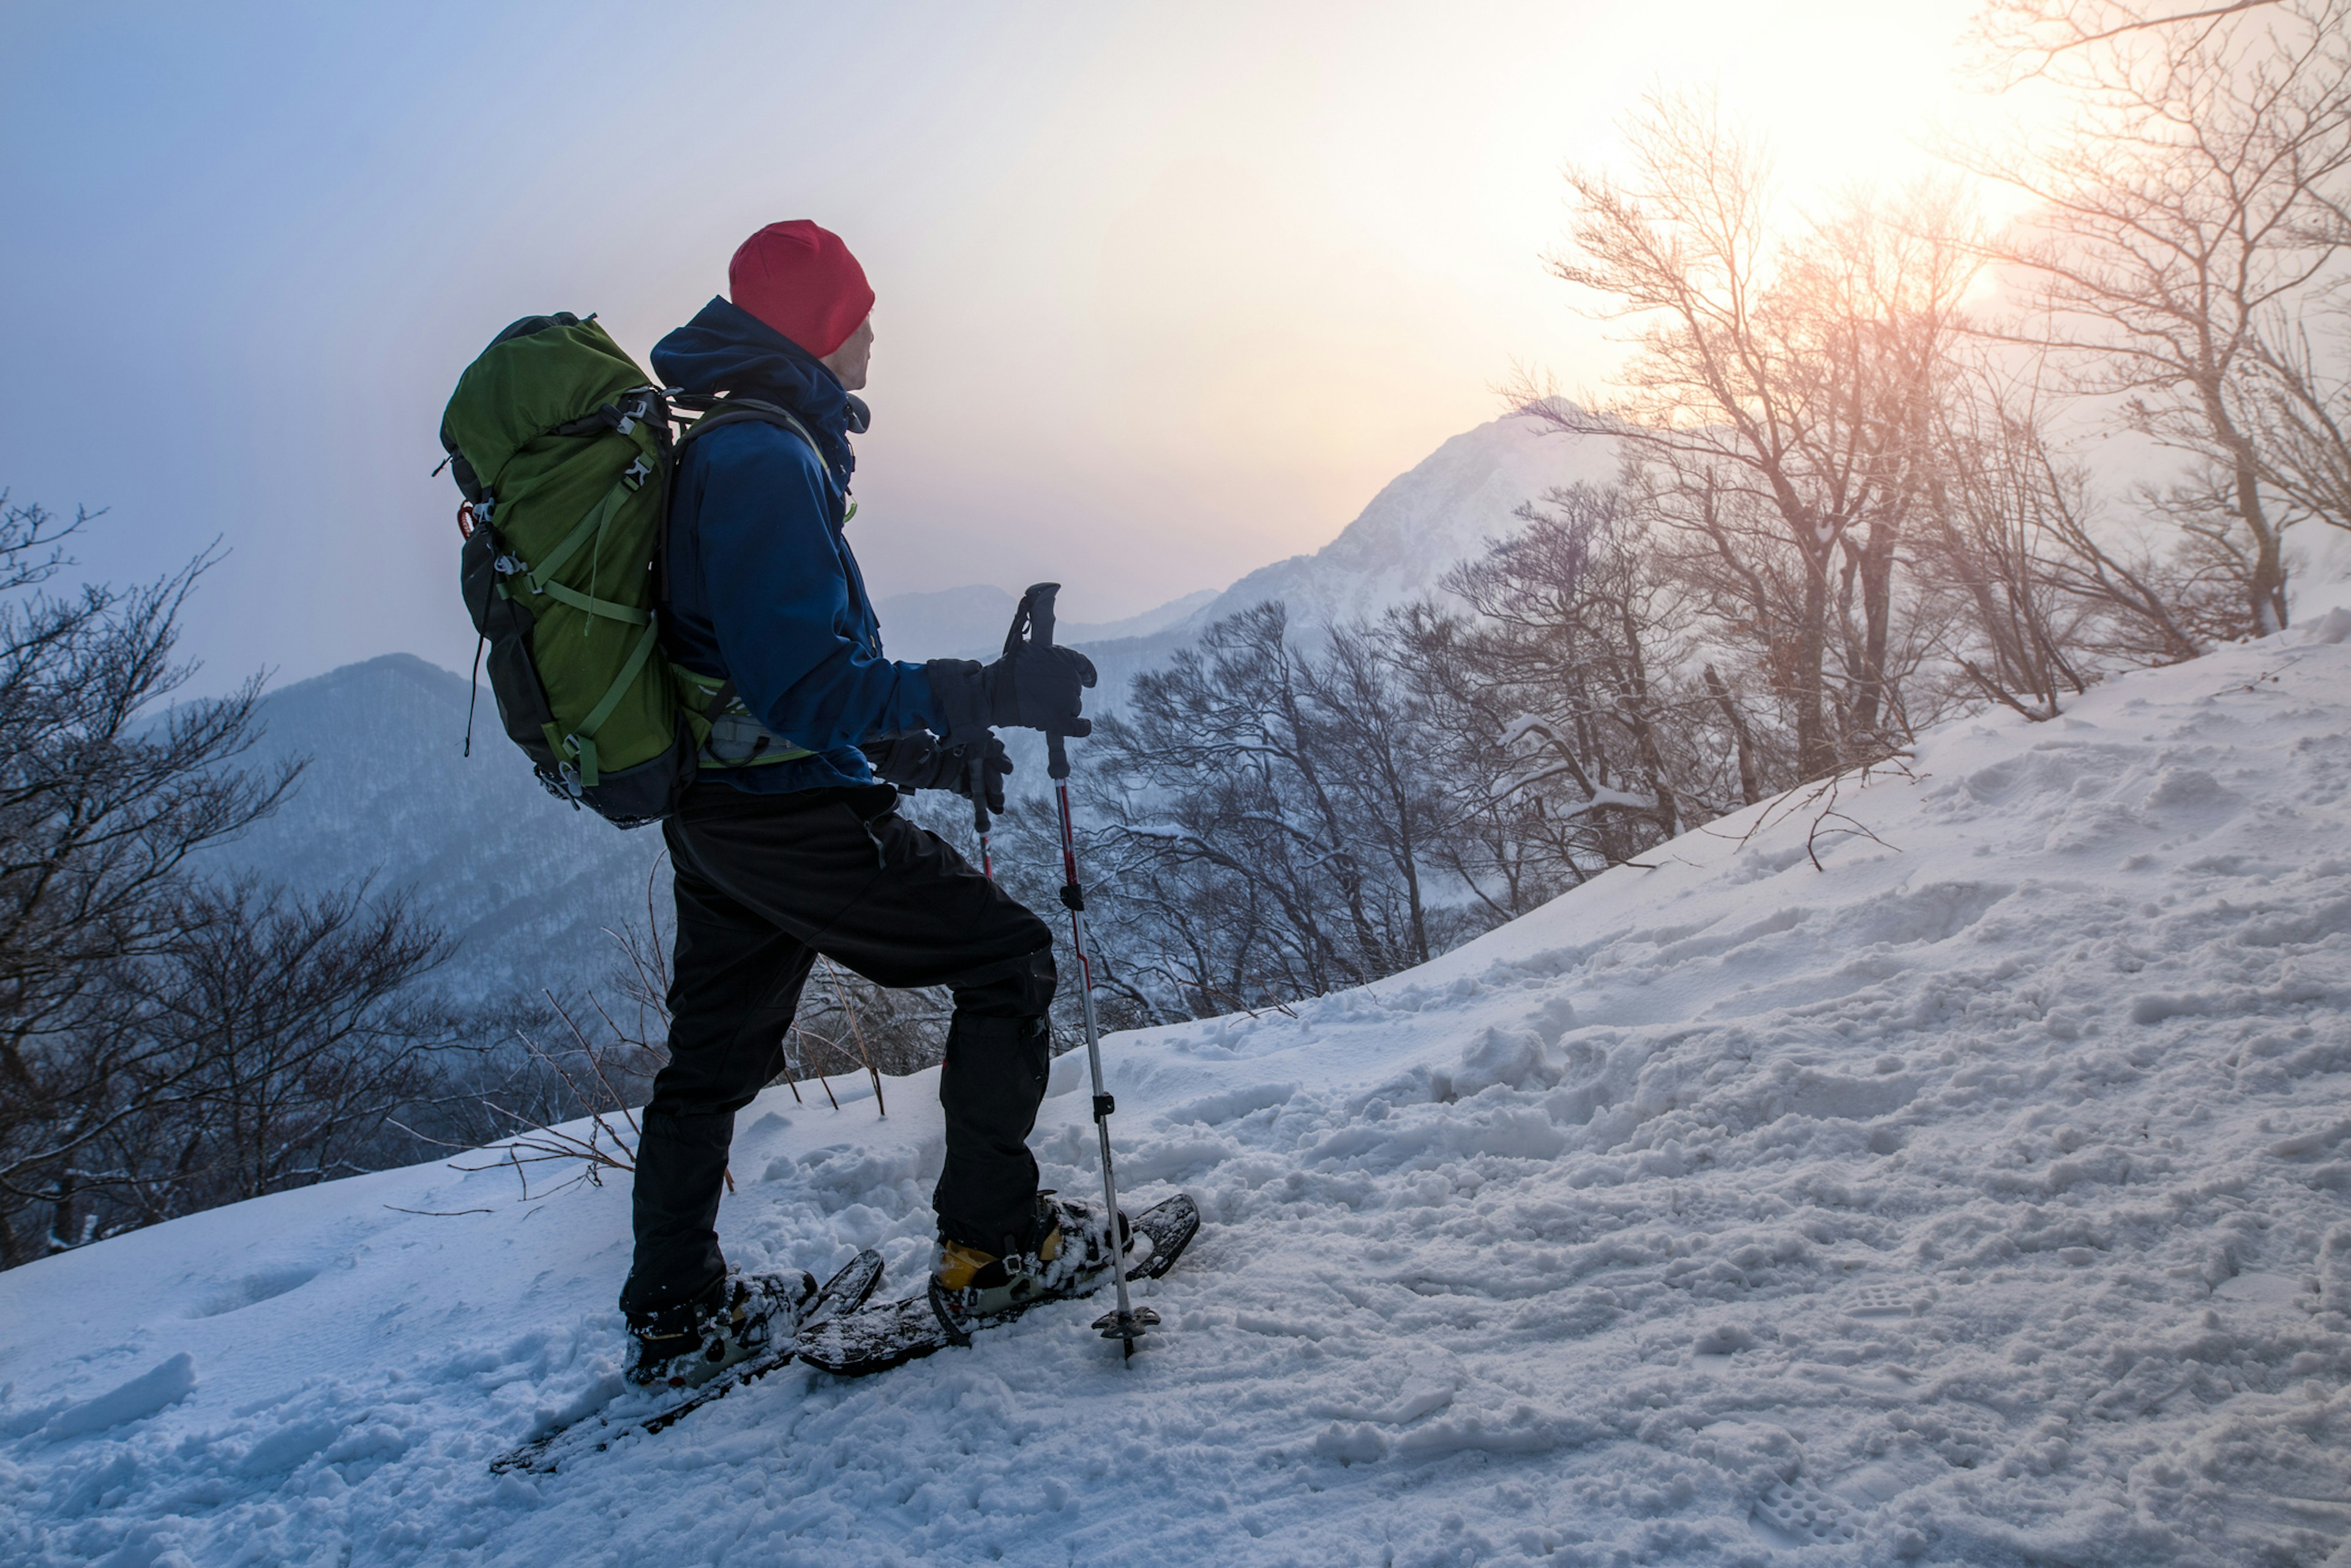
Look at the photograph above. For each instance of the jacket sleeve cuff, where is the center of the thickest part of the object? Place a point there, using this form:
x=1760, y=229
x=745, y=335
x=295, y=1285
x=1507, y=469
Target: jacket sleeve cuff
x=917, y=701
x=915, y=696
x=957, y=710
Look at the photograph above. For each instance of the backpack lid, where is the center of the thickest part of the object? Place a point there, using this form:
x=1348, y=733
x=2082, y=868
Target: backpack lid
x=530, y=379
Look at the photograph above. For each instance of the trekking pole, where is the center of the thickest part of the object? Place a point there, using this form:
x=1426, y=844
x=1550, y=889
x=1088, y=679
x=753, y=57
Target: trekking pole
x=1127, y=1323
x=980, y=823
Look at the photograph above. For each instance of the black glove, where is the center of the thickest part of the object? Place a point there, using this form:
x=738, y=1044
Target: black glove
x=916, y=761
x=1029, y=688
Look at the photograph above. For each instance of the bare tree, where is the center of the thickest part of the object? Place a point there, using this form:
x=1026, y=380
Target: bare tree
x=2186, y=230
x=2006, y=517
x=1268, y=813
x=2027, y=37
x=295, y=1033
x=2300, y=413
x=1508, y=832
x=1776, y=402
x=1581, y=629
x=169, y=1042
x=1585, y=649
x=102, y=801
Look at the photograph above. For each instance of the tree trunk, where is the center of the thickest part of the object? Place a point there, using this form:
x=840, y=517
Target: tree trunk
x=1748, y=789
x=1815, y=754
x=1878, y=704
x=2265, y=586
x=2266, y=590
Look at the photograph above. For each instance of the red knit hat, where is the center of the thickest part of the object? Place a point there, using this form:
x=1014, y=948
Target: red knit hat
x=802, y=281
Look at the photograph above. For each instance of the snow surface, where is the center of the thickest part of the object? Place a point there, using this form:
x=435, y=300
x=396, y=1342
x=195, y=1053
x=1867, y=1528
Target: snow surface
x=1979, y=1198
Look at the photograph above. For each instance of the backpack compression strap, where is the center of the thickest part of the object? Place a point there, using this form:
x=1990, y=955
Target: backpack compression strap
x=539, y=579
x=581, y=741
x=541, y=576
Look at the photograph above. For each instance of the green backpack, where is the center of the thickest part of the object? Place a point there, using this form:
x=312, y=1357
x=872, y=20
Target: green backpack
x=564, y=451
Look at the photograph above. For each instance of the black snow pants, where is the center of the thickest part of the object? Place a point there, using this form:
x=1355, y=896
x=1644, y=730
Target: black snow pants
x=766, y=883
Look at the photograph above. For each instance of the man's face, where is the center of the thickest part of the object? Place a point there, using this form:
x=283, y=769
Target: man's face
x=848, y=361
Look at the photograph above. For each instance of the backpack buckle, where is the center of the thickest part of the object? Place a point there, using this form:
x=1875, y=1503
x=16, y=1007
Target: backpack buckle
x=636, y=473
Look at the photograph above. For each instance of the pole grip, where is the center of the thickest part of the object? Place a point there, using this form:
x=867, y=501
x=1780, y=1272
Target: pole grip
x=1039, y=602
x=1039, y=598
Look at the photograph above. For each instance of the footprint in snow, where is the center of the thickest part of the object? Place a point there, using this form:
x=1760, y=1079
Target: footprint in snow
x=1884, y=1301
x=252, y=1291
x=1804, y=1514
x=2261, y=1293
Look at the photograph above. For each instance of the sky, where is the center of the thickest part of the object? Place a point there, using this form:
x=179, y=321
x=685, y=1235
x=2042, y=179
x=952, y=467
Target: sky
x=1164, y=292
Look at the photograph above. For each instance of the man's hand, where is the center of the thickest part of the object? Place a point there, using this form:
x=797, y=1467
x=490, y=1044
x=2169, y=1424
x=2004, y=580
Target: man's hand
x=919, y=760
x=1028, y=688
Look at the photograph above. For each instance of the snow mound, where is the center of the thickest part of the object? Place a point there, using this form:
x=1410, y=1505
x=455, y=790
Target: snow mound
x=1979, y=1198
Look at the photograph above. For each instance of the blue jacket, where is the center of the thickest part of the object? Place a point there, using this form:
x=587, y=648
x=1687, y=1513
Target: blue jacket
x=762, y=587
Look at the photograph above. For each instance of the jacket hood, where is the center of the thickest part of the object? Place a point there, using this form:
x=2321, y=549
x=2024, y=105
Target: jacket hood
x=725, y=348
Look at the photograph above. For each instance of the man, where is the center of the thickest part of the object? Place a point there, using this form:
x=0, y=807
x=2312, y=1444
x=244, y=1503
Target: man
x=787, y=846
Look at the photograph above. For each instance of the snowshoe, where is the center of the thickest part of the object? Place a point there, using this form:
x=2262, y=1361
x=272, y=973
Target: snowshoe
x=649, y=1411
x=968, y=1291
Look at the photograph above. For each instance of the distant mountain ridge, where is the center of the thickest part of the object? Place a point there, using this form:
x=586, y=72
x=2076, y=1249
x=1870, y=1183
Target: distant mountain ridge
x=970, y=623
x=1444, y=509
x=527, y=884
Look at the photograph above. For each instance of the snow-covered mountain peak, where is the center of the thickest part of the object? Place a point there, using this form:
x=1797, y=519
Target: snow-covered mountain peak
x=1442, y=511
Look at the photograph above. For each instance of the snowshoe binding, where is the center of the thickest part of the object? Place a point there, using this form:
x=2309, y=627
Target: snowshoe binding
x=738, y=1317
x=1067, y=1255
x=1063, y=1243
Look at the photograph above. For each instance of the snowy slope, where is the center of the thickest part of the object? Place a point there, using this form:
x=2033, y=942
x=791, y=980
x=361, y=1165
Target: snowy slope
x=1986, y=1194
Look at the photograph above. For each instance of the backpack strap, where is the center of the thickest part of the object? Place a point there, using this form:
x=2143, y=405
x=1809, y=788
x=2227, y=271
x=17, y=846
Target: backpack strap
x=539, y=576
x=747, y=409
x=733, y=735
x=581, y=742
x=722, y=411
